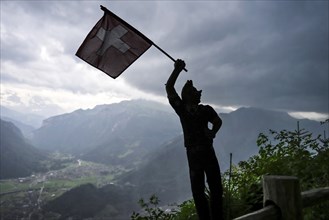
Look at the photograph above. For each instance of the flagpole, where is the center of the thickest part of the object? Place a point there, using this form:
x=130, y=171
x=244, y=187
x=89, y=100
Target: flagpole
x=139, y=33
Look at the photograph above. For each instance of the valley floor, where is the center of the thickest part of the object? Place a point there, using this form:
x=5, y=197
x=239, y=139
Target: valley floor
x=23, y=198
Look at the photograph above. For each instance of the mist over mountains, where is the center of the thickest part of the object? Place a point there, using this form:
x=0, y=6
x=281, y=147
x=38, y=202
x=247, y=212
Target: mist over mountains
x=27, y=123
x=112, y=134
x=130, y=132
x=18, y=157
x=241, y=128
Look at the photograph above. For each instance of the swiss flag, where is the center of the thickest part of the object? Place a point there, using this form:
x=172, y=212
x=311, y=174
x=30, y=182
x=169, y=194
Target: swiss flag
x=113, y=45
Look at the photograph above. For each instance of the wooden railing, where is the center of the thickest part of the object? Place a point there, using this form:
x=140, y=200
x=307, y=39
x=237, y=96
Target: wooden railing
x=283, y=199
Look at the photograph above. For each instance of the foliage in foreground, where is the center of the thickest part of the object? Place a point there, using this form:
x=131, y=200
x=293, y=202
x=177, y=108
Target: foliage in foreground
x=152, y=211
x=291, y=153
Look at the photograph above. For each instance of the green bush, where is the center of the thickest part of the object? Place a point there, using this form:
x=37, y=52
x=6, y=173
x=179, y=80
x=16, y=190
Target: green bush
x=152, y=211
x=290, y=153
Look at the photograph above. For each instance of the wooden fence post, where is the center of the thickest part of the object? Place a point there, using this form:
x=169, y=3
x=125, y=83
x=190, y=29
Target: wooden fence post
x=284, y=192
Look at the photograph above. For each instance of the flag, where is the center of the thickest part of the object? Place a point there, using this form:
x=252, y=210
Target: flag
x=113, y=45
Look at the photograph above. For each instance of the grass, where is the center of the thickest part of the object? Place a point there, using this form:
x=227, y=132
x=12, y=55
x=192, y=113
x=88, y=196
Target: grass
x=65, y=181
x=13, y=185
x=7, y=187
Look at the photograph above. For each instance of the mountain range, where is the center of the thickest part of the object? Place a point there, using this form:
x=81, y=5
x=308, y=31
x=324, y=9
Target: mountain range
x=24, y=120
x=145, y=138
x=130, y=132
x=18, y=157
x=112, y=134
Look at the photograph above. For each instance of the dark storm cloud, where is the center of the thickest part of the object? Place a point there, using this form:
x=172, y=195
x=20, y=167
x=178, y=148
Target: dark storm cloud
x=263, y=54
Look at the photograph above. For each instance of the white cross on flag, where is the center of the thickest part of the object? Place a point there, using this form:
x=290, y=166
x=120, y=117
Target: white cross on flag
x=113, y=45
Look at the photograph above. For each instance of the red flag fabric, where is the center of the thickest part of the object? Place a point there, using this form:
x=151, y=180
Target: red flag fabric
x=113, y=45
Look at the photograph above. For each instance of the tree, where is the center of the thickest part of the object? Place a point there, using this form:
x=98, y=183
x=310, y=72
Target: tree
x=152, y=211
x=292, y=153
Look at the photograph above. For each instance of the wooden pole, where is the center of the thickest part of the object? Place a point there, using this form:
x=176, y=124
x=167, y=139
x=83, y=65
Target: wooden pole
x=284, y=192
x=315, y=196
x=287, y=208
x=268, y=213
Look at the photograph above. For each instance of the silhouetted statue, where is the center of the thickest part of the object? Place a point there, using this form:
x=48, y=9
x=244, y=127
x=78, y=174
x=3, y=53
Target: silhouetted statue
x=198, y=140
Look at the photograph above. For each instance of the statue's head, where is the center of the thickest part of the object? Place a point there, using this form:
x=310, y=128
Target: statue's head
x=190, y=95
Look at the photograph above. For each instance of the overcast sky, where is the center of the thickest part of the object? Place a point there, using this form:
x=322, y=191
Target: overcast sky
x=266, y=54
